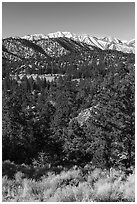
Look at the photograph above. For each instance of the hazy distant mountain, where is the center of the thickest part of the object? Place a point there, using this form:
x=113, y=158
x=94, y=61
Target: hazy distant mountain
x=102, y=43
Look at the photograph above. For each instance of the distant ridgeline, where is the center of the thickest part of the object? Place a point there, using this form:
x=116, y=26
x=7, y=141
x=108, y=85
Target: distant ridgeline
x=62, y=53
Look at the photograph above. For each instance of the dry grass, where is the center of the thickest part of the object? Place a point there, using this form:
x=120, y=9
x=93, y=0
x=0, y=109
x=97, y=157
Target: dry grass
x=70, y=186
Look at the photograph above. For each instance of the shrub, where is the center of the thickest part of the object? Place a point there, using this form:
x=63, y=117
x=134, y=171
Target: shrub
x=19, y=176
x=94, y=176
x=64, y=195
x=115, y=190
x=84, y=192
x=102, y=191
x=10, y=189
x=71, y=177
x=128, y=189
x=8, y=169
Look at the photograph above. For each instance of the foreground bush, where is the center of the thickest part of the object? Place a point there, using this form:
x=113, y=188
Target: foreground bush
x=70, y=186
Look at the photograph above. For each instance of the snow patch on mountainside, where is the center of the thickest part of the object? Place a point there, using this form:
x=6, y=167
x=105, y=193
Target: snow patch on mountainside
x=100, y=42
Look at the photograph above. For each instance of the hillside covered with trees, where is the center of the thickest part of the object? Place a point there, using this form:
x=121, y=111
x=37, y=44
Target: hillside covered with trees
x=84, y=115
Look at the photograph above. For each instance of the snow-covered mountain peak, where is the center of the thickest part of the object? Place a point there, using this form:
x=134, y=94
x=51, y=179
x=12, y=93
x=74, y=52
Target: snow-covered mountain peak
x=100, y=42
x=34, y=37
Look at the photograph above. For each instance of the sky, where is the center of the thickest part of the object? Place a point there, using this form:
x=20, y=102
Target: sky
x=100, y=19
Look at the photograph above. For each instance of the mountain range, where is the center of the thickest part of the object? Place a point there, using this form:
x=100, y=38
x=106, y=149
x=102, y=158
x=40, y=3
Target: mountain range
x=61, y=52
x=103, y=43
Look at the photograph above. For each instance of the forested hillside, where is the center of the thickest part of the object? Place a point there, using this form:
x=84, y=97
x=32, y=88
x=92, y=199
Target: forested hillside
x=66, y=103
